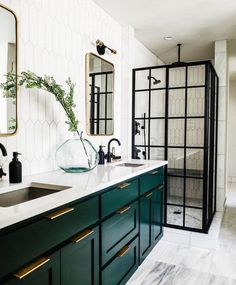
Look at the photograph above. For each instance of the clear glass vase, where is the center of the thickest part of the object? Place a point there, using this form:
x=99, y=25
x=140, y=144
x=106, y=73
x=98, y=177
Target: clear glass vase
x=77, y=155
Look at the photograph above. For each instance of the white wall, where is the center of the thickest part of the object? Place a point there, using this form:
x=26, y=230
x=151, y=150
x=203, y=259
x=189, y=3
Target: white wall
x=232, y=132
x=221, y=69
x=54, y=37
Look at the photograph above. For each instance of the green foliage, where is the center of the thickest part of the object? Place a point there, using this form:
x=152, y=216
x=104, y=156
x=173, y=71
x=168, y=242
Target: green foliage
x=48, y=83
x=12, y=124
x=9, y=87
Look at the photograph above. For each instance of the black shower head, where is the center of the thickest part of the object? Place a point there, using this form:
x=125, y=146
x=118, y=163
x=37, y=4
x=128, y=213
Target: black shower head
x=155, y=81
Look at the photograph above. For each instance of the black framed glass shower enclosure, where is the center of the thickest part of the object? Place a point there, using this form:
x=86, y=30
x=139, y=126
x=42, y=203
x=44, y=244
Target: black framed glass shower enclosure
x=175, y=118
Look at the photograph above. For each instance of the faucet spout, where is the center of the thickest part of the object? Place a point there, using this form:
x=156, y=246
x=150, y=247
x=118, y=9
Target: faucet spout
x=108, y=148
x=3, y=149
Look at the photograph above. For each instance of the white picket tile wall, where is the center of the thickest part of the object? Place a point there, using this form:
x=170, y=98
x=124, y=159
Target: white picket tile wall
x=54, y=37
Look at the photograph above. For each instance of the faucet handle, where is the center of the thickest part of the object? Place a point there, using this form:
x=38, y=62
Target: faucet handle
x=2, y=173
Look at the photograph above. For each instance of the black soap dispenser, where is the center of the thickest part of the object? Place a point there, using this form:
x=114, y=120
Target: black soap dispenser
x=15, y=169
x=101, y=155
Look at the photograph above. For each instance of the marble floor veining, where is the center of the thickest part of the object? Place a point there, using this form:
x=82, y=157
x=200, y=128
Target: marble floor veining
x=174, y=263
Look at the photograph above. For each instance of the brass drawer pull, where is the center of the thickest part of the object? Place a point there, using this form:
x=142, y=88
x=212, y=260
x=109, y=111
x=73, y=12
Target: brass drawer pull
x=82, y=235
x=59, y=213
x=154, y=172
x=123, y=210
x=123, y=251
x=31, y=267
x=148, y=194
x=123, y=185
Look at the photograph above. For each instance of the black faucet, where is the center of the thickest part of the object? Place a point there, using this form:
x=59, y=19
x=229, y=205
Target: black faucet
x=109, y=154
x=4, y=153
x=3, y=149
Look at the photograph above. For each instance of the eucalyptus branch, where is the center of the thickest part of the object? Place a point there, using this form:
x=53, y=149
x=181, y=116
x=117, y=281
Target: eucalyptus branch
x=48, y=83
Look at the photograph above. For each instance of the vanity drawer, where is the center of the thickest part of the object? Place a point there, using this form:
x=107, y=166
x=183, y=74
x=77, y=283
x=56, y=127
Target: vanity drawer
x=122, y=266
x=151, y=179
x=21, y=246
x=118, y=230
x=118, y=197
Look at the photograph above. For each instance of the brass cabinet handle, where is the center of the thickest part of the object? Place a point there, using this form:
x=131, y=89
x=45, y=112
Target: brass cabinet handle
x=82, y=235
x=154, y=172
x=122, y=210
x=123, y=185
x=148, y=194
x=123, y=251
x=31, y=267
x=59, y=213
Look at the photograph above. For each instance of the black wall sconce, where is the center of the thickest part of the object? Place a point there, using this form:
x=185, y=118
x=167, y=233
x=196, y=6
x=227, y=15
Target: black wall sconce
x=101, y=48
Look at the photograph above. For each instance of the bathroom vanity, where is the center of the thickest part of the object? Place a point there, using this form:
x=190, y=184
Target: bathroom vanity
x=95, y=228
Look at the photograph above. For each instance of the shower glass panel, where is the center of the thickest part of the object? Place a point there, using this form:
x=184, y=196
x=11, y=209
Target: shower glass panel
x=141, y=103
x=176, y=161
x=176, y=132
x=157, y=108
x=175, y=215
x=175, y=190
x=157, y=126
x=175, y=117
x=194, y=162
x=176, y=103
x=157, y=153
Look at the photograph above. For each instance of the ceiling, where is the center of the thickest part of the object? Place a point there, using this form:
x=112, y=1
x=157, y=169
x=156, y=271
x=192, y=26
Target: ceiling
x=194, y=23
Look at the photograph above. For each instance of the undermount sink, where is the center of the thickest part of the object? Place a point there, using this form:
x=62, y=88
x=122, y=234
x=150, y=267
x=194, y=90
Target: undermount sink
x=127, y=164
x=34, y=191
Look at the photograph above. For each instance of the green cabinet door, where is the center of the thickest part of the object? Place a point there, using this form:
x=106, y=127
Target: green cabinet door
x=157, y=213
x=145, y=225
x=151, y=219
x=80, y=259
x=43, y=271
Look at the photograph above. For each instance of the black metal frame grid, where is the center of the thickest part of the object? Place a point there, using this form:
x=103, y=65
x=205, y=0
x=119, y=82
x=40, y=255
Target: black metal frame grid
x=208, y=174
x=95, y=100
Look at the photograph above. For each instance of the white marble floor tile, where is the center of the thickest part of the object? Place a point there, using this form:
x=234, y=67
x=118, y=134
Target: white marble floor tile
x=166, y=274
x=185, y=258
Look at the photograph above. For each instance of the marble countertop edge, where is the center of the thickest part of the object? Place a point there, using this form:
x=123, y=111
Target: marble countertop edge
x=81, y=185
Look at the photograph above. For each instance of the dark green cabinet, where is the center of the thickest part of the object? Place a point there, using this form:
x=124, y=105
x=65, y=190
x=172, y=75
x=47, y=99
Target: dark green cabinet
x=146, y=229
x=80, y=259
x=122, y=266
x=151, y=180
x=115, y=198
x=37, y=237
x=119, y=229
x=43, y=271
x=157, y=212
x=151, y=208
x=98, y=241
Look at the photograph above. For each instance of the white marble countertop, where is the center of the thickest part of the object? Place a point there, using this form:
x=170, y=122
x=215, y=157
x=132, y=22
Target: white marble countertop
x=81, y=185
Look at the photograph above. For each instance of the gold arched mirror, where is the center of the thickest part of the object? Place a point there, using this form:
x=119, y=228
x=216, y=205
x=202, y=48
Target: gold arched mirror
x=99, y=96
x=8, y=71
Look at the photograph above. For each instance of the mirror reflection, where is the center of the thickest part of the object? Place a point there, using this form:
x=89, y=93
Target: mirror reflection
x=99, y=95
x=8, y=65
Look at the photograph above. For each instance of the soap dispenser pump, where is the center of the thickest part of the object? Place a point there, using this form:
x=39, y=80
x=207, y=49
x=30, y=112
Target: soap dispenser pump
x=15, y=169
